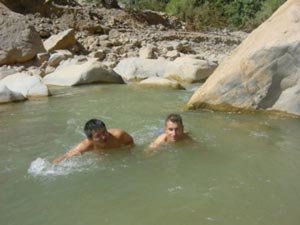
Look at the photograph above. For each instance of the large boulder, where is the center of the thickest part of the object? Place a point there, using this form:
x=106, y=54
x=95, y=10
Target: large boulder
x=78, y=73
x=263, y=72
x=7, y=95
x=136, y=69
x=189, y=69
x=62, y=40
x=19, y=42
x=28, y=86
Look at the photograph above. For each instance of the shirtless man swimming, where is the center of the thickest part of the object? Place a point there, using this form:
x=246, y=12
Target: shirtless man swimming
x=173, y=132
x=98, y=138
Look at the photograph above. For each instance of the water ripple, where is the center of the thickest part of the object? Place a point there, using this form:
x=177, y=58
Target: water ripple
x=259, y=134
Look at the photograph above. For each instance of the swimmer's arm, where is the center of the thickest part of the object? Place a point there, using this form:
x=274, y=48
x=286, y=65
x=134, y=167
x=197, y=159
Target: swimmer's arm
x=123, y=137
x=82, y=147
x=156, y=143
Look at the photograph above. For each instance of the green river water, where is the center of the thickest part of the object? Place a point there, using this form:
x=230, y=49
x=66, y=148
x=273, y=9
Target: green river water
x=242, y=169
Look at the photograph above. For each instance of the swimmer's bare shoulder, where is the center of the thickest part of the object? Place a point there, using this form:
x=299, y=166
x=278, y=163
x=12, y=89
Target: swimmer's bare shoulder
x=188, y=138
x=122, y=136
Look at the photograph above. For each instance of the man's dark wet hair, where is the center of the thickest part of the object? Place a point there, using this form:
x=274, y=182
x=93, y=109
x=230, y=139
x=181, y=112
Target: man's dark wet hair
x=175, y=118
x=91, y=125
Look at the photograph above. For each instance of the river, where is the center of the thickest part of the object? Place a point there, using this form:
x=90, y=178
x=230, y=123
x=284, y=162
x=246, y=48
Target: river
x=241, y=169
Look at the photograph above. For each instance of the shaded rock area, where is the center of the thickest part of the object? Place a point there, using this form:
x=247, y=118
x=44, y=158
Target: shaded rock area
x=44, y=7
x=263, y=72
x=19, y=42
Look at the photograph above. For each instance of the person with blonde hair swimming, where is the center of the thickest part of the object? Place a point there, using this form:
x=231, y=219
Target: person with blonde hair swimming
x=173, y=132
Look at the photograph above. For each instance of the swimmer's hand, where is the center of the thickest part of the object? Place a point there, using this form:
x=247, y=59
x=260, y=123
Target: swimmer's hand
x=59, y=159
x=152, y=148
x=156, y=143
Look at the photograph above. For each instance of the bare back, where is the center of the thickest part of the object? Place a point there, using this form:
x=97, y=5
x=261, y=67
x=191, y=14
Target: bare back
x=116, y=139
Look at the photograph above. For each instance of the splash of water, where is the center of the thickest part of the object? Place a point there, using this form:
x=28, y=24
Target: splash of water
x=42, y=167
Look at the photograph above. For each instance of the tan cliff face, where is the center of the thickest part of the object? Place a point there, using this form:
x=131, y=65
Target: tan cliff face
x=263, y=72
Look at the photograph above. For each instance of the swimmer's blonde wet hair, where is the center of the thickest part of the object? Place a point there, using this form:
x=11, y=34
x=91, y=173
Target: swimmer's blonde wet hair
x=175, y=118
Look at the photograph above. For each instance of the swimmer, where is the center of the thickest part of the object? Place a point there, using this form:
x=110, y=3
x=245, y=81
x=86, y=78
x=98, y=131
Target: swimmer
x=98, y=138
x=173, y=132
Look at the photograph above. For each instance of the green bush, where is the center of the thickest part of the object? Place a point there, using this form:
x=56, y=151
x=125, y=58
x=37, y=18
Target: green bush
x=210, y=14
x=234, y=14
x=240, y=13
x=206, y=14
x=267, y=9
x=158, y=5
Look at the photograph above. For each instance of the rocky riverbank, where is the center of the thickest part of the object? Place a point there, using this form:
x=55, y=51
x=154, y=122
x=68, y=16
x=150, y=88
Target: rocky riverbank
x=66, y=43
x=57, y=36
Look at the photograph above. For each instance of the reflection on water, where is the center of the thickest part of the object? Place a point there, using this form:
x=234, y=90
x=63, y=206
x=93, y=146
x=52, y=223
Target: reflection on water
x=241, y=169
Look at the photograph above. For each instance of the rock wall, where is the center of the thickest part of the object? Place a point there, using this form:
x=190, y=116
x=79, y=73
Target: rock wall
x=263, y=72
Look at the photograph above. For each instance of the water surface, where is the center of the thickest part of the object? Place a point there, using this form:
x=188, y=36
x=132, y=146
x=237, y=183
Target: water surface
x=242, y=168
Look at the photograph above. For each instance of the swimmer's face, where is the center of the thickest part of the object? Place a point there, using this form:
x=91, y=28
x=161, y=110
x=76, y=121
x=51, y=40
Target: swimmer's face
x=174, y=131
x=100, y=135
